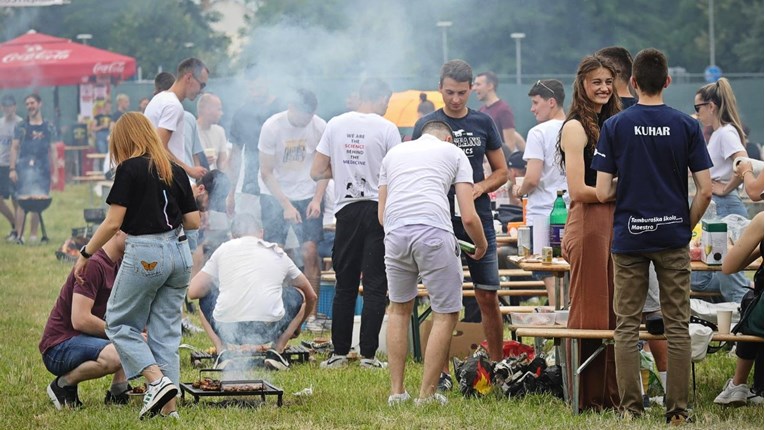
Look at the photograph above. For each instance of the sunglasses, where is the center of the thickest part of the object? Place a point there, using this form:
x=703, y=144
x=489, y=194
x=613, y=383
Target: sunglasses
x=542, y=84
x=202, y=85
x=698, y=106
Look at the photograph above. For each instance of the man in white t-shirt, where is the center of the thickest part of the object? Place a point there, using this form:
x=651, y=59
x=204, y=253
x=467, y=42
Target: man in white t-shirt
x=165, y=111
x=252, y=307
x=212, y=135
x=351, y=152
x=419, y=241
x=289, y=197
x=544, y=176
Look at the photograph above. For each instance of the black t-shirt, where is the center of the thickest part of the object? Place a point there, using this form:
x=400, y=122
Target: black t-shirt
x=152, y=206
x=245, y=132
x=474, y=134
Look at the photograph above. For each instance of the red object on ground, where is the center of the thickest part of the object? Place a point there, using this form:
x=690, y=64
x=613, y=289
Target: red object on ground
x=512, y=348
x=58, y=170
x=36, y=60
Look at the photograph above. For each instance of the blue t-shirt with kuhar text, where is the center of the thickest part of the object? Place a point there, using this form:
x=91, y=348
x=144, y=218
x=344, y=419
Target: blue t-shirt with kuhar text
x=474, y=134
x=650, y=149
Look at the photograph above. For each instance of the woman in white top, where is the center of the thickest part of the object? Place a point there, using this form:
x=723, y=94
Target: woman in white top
x=715, y=105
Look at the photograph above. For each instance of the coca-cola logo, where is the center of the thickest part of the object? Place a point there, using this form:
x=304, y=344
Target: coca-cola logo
x=37, y=53
x=113, y=68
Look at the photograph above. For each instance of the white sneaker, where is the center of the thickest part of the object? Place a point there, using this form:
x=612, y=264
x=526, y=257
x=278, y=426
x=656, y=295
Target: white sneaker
x=435, y=398
x=733, y=395
x=398, y=399
x=157, y=395
x=373, y=363
x=334, y=362
x=189, y=327
x=754, y=398
x=174, y=415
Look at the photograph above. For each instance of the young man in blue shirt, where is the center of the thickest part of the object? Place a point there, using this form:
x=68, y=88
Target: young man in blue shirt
x=651, y=147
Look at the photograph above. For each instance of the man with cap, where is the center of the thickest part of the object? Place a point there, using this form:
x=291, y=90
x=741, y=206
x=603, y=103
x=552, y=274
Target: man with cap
x=516, y=168
x=7, y=128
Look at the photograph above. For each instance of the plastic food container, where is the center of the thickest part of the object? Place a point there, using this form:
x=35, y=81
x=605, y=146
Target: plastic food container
x=547, y=318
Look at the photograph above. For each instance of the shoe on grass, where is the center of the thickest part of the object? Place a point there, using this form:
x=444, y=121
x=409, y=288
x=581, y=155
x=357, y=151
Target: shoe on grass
x=444, y=383
x=754, y=398
x=436, y=398
x=334, y=362
x=63, y=397
x=12, y=236
x=733, y=395
x=118, y=399
x=157, y=395
x=174, y=415
x=275, y=361
x=679, y=420
x=373, y=363
x=398, y=399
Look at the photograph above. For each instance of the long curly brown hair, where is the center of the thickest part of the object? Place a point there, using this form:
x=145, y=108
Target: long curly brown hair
x=583, y=109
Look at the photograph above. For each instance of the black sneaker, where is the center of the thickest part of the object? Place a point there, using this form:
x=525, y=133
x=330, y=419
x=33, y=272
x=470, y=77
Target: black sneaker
x=12, y=236
x=65, y=397
x=275, y=361
x=445, y=382
x=119, y=399
x=679, y=420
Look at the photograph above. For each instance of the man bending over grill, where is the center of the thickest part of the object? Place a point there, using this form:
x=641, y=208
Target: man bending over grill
x=74, y=345
x=252, y=306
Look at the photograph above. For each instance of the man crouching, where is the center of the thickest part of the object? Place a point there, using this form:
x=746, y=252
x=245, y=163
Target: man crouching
x=74, y=345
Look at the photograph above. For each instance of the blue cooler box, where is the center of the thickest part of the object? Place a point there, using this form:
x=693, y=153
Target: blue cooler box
x=327, y=296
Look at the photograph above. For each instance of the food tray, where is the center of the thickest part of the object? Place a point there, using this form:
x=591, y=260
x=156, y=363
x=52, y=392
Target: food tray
x=234, y=388
x=544, y=318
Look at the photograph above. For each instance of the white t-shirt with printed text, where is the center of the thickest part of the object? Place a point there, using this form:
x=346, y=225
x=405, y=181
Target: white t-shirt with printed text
x=356, y=143
x=418, y=175
x=293, y=149
x=540, y=145
x=166, y=111
x=250, y=273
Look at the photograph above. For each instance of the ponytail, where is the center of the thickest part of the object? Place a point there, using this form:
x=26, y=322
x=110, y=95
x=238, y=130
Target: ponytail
x=721, y=94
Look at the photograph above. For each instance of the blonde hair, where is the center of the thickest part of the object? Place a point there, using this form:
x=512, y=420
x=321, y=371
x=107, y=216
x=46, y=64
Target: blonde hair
x=721, y=94
x=135, y=136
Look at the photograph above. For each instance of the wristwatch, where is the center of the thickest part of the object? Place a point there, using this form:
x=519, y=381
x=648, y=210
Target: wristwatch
x=85, y=253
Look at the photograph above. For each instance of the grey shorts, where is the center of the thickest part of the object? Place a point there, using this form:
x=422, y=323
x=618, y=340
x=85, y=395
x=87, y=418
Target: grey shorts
x=433, y=255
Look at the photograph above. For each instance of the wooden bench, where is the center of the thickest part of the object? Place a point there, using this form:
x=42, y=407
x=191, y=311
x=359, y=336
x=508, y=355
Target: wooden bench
x=606, y=336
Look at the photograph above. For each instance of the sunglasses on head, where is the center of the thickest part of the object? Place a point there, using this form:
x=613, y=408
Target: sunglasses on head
x=542, y=84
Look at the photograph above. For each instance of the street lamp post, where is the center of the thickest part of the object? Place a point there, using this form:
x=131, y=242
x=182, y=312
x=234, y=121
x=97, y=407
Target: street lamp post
x=84, y=37
x=444, y=25
x=711, y=32
x=518, y=37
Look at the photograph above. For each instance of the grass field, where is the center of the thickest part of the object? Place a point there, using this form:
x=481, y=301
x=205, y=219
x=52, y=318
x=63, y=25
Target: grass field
x=30, y=279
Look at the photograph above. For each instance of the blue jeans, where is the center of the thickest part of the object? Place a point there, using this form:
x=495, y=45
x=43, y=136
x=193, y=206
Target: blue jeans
x=148, y=293
x=69, y=354
x=734, y=286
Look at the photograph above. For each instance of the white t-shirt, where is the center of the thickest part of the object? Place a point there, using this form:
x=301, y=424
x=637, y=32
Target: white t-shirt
x=293, y=149
x=540, y=145
x=356, y=144
x=419, y=174
x=250, y=273
x=213, y=138
x=166, y=111
x=724, y=142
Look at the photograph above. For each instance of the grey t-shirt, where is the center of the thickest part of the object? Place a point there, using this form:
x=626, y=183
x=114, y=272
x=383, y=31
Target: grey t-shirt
x=6, y=137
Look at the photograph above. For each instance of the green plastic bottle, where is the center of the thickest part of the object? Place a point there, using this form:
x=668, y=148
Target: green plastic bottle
x=557, y=223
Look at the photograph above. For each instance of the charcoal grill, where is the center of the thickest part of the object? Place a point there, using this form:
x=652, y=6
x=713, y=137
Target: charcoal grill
x=266, y=389
x=35, y=205
x=293, y=354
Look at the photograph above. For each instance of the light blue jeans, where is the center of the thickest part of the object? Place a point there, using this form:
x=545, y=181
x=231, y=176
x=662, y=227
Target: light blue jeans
x=148, y=293
x=734, y=286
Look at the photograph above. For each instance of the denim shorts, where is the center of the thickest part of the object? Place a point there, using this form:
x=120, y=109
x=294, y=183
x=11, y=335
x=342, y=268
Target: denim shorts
x=484, y=272
x=67, y=355
x=262, y=332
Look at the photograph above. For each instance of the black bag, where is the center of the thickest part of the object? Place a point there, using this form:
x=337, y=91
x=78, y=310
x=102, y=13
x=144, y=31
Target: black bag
x=751, y=321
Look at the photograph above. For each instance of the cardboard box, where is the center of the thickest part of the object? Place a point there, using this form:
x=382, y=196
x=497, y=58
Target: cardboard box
x=465, y=338
x=714, y=242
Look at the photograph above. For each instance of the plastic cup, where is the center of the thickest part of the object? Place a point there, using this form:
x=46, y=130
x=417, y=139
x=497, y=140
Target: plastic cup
x=723, y=321
x=519, y=180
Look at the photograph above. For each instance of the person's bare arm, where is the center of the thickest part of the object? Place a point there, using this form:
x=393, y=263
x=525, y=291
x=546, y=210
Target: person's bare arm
x=605, y=187
x=753, y=184
x=108, y=228
x=470, y=219
x=267, y=162
x=83, y=319
x=191, y=220
x=724, y=188
x=382, y=197
x=703, y=196
x=498, y=174
x=746, y=249
x=531, y=179
x=195, y=172
x=321, y=167
x=200, y=285
x=314, y=208
x=14, y=159
x=573, y=142
x=302, y=284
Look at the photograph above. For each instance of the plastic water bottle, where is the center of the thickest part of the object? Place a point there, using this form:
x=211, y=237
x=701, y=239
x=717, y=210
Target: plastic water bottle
x=558, y=218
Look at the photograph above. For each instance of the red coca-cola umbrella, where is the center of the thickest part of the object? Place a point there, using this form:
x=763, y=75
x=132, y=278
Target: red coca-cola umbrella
x=37, y=60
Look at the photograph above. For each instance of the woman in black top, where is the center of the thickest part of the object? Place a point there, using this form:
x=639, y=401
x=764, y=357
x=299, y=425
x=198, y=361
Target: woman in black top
x=586, y=244
x=151, y=200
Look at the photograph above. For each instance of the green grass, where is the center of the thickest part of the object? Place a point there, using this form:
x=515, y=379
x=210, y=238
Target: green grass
x=30, y=279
